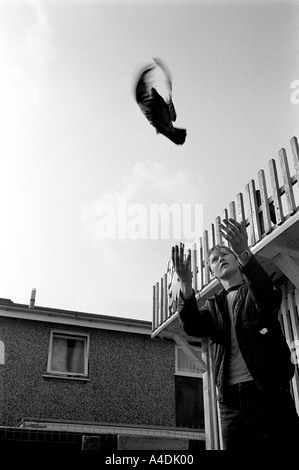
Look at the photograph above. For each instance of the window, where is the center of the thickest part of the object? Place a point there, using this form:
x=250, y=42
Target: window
x=68, y=354
x=184, y=365
x=189, y=406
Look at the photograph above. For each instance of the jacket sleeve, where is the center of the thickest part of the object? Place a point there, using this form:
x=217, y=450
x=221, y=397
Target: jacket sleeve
x=266, y=295
x=195, y=321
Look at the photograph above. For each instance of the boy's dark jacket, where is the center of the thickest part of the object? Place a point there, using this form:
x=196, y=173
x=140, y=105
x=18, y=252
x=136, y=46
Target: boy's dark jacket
x=258, y=330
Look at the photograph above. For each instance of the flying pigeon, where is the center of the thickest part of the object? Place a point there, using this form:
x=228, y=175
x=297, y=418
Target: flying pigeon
x=158, y=112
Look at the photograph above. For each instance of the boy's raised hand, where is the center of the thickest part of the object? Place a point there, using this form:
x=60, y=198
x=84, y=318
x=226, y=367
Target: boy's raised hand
x=182, y=267
x=235, y=234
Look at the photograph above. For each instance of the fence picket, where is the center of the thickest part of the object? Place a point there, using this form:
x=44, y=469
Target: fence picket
x=201, y=263
x=250, y=216
x=157, y=301
x=165, y=298
x=276, y=192
x=218, y=233
x=240, y=208
x=295, y=151
x=265, y=214
x=225, y=217
x=232, y=210
x=212, y=236
x=194, y=266
x=255, y=212
x=205, y=253
x=287, y=181
x=161, y=311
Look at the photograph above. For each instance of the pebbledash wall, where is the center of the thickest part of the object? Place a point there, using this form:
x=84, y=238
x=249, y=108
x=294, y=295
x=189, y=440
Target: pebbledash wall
x=130, y=376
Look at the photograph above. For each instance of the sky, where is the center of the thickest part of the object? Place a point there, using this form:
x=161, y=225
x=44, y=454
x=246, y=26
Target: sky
x=82, y=169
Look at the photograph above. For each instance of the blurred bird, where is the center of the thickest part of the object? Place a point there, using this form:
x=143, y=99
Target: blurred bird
x=158, y=112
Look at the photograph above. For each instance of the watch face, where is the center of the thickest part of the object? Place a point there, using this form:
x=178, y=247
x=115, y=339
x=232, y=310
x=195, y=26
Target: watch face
x=245, y=254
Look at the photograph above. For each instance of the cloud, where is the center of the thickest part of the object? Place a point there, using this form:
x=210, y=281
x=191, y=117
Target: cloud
x=149, y=183
x=153, y=182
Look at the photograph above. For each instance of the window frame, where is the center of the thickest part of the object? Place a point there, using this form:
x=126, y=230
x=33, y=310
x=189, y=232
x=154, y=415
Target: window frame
x=69, y=335
x=197, y=349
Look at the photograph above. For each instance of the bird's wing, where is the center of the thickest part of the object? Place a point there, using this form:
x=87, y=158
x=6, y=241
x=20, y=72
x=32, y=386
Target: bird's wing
x=169, y=82
x=142, y=89
x=143, y=93
x=165, y=70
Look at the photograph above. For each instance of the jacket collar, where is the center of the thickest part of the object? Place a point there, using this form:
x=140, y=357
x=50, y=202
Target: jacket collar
x=233, y=288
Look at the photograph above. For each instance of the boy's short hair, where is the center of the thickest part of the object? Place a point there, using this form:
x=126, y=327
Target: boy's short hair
x=217, y=248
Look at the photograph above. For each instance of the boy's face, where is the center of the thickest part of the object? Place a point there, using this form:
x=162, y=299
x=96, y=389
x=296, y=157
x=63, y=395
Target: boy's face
x=223, y=263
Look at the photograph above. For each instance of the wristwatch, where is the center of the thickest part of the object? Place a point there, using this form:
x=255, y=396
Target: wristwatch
x=244, y=255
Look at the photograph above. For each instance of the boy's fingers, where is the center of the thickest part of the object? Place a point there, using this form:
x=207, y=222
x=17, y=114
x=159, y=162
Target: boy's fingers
x=181, y=256
x=189, y=258
x=240, y=226
x=178, y=260
x=232, y=227
x=234, y=222
x=172, y=254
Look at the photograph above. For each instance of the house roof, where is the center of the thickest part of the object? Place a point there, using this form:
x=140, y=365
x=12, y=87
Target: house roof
x=8, y=308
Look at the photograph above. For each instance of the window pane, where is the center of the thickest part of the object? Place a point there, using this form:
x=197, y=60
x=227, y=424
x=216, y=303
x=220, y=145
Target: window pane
x=68, y=355
x=59, y=354
x=75, y=357
x=184, y=364
x=189, y=402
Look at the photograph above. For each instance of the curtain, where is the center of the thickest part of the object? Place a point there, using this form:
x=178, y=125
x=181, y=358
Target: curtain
x=68, y=355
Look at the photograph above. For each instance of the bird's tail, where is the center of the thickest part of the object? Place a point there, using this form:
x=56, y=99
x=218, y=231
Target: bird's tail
x=178, y=136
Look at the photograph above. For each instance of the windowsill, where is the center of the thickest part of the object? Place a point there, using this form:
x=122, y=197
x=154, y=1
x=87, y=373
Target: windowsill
x=189, y=374
x=65, y=377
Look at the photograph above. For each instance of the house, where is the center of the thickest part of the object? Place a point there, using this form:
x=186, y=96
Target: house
x=87, y=381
